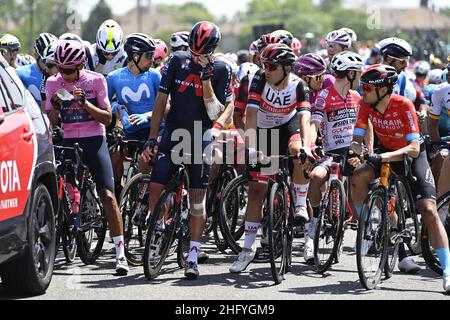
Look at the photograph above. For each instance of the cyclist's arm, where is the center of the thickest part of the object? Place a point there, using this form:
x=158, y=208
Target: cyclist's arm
x=253, y=105
x=240, y=103
x=369, y=138
x=412, y=149
x=435, y=114
x=158, y=113
x=304, y=113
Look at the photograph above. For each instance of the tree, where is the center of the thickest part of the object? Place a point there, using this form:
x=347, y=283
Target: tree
x=99, y=14
x=193, y=12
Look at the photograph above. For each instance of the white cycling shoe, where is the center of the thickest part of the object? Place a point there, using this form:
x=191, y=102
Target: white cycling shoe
x=408, y=265
x=245, y=257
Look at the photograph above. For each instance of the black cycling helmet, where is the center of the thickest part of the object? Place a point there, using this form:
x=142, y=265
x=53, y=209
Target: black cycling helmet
x=278, y=53
x=204, y=38
x=139, y=43
x=380, y=75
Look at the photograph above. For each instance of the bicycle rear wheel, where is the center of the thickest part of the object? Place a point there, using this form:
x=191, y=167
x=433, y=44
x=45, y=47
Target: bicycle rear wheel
x=430, y=257
x=160, y=233
x=93, y=225
x=372, y=239
x=330, y=229
x=65, y=237
x=276, y=231
x=134, y=201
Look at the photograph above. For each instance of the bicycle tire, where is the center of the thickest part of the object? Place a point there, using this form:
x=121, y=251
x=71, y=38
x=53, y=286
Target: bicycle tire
x=183, y=243
x=84, y=239
x=276, y=230
x=329, y=229
x=63, y=236
x=230, y=201
x=378, y=236
x=167, y=212
x=130, y=202
x=430, y=257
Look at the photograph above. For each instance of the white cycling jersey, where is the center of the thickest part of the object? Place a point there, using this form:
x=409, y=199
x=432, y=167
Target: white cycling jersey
x=441, y=101
x=119, y=61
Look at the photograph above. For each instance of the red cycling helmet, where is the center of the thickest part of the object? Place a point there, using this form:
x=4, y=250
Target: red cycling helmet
x=161, y=50
x=204, y=38
x=296, y=45
x=278, y=53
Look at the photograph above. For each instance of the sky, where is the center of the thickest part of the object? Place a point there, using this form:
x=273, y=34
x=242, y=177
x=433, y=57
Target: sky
x=224, y=7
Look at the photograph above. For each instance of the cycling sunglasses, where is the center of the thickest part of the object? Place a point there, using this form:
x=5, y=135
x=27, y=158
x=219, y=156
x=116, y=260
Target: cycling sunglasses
x=269, y=66
x=403, y=61
x=317, y=77
x=149, y=55
x=51, y=65
x=67, y=72
x=367, y=87
x=111, y=54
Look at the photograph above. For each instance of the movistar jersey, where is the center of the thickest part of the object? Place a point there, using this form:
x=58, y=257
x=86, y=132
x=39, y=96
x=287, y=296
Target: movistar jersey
x=138, y=94
x=405, y=88
x=31, y=78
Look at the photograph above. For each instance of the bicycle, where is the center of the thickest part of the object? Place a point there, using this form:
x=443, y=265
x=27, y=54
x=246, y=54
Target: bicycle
x=168, y=225
x=278, y=218
x=133, y=204
x=86, y=224
x=443, y=207
x=383, y=224
x=336, y=215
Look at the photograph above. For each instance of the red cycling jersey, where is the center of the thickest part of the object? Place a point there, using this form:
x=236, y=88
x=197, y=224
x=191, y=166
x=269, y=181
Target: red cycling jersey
x=395, y=128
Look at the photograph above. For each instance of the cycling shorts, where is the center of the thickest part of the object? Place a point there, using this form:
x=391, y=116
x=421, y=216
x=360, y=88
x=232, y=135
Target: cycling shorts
x=166, y=162
x=96, y=157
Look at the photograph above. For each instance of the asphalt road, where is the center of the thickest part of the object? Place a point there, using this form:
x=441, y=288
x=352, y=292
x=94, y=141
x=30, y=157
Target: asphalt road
x=80, y=282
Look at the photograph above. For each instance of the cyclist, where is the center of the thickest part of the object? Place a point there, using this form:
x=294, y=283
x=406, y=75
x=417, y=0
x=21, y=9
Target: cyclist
x=278, y=103
x=197, y=91
x=179, y=41
x=161, y=52
x=421, y=70
x=24, y=60
x=135, y=87
x=33, y=76
x=440, y=127
x=353, y=37
x=71, y=36
x=395, y=122
x=434, y=79
x=84, y=118
x=9, y=48
x=337, y=41
x=296, y=45
x=51, y=68
x=375, y=57
x=243, y=57
x=107, y=54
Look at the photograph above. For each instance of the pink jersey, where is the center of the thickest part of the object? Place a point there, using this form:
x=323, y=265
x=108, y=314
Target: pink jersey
x=76, y=121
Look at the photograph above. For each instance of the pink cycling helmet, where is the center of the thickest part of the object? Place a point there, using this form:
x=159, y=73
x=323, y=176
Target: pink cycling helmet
x=70, y=53
x=161, y=50
x=296, y=45
x=310, y=64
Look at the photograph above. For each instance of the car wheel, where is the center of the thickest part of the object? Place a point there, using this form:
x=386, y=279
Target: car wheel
x=32, y=272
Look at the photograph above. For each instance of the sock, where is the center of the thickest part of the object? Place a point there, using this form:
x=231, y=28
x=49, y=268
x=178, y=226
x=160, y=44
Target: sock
x=313, y=227
x=316, y=211
x=306, y=231
x=194, y=251
x=251, y=228
x=301, y=191
x=444, y=258
x=402, y=251
x=120, y=247
x=358, y=210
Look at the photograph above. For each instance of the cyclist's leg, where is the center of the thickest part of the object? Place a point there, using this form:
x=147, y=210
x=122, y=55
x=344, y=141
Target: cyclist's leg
x=359, y=184
x=436, y=166
x=444, y=180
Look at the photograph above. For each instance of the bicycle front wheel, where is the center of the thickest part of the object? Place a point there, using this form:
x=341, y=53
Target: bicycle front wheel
x=276, y=231
x=160, y=233
x=372, y=239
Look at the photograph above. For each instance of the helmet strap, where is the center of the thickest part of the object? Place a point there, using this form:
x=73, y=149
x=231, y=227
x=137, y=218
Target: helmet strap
x=377, y=90
x=351, y=80
x=285, y=73
x=136, y=62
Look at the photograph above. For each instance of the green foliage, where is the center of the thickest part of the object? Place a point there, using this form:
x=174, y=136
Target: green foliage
x=99, y=14
x=193, y=12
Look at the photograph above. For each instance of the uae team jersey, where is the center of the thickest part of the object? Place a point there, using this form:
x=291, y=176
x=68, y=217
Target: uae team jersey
x=395, y=128
x=138, y=94
x=31, y=78
x=336, y=117
x=276, y=108
x=119, y=61
x=181, y=80
x=441, y=107
x=76, y=121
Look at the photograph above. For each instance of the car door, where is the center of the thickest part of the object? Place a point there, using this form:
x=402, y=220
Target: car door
x=17, y=149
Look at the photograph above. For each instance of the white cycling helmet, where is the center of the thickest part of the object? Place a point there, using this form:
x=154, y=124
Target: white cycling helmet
x=422, y=67
x=347, y=61
x=351, y=33
x=340, y=37
x=70, y=36
x=24, y=60
x=179, y=39
x=435, y=76
x=245, y=69
x=49, y=52
x=110, y=36
x=395, y=47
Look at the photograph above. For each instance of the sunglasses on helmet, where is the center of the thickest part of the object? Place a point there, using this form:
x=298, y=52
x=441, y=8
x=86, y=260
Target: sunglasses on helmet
x=269, y=66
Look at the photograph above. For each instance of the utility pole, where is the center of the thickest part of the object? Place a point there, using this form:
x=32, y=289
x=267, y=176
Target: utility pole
x=139, y=15
x=31, y=26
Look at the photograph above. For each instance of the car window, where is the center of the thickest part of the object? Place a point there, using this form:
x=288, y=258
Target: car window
x=5, y=101
x=13, y=90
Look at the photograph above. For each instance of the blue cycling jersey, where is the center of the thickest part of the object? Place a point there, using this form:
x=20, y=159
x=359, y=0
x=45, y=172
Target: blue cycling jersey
x=428, y=92
x=31, y=78
x=138, y=94
x=404, y=87
x=181, y=79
